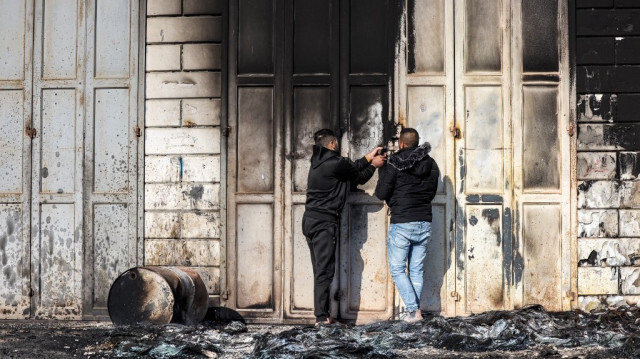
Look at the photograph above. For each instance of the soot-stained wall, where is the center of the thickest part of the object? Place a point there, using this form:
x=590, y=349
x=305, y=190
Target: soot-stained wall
x=182, y=136
x=608, y=166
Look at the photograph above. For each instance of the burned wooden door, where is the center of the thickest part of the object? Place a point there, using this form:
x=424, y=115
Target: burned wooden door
x=492, y=98
x=512, y=193
x=330, y=65
x=255, y=155
x=16, y=39
x=368, y=30
x=425, y=95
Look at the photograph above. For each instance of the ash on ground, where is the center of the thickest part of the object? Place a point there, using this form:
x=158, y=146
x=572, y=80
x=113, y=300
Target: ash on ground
x=529, y=332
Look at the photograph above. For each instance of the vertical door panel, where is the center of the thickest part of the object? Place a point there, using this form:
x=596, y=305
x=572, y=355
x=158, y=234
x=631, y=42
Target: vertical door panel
x=541, y=141
x=58, y=141
x=60, y=24
x=542, y=151
x=57, y=207
x=113, y=38
x=312, y=37
x=110, y=180
x=484, y=144
x=483, y=36
x=13, y=37
x=59, y=273
x=255, y=240
x=311, y=80
x=485, y=281
x=255, y=136
x=426, y=114
x=369, y=36
x=255, y=36
x=111, y=141
x=111, y=250
x=367, y=32
x=483, y=157
x=368, y=112
x=311, y=112
x=302, y=270
x=428, y=105
x=255, y=160
x=11, y=143
x=16, y=39
x=426, y=35
x=540, y=36
x=367, y=289
x=542, y=248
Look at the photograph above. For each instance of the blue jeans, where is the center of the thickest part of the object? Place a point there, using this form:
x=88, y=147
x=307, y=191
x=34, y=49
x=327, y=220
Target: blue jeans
x=407, y=242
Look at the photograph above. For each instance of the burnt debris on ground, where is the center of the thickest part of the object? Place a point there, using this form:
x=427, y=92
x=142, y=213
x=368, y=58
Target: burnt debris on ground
x=529, y=332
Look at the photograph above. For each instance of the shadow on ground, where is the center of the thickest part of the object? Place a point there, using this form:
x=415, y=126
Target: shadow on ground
x=529, y=332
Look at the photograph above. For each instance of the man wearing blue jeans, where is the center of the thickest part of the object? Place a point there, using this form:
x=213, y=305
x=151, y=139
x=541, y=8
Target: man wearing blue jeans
x=408, y=183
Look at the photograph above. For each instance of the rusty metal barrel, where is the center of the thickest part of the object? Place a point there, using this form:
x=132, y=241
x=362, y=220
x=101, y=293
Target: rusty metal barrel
x=158, y=295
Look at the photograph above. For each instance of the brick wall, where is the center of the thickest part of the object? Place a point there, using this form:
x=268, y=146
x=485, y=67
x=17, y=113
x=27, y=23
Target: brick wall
x=182, y=136
x=608, y=86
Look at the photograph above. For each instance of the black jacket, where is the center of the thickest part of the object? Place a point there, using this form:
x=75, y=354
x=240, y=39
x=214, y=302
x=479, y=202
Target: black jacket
x=408, y=183
x=329, y=180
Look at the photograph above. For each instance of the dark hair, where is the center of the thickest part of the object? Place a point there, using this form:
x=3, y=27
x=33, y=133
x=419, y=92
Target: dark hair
x=409, y=137
x=324, y=137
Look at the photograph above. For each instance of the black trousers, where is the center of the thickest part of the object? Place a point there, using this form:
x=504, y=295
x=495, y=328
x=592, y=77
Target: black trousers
x=321, y=237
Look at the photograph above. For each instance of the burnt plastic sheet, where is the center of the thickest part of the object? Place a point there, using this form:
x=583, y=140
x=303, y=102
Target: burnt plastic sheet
x=529, y=328
x=529, y=332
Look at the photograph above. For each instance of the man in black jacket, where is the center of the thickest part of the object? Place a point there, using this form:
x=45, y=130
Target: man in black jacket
x=328, y=185
x=408, y=184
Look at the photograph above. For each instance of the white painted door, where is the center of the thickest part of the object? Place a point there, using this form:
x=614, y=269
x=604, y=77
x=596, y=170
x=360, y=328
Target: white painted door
x=69, y=108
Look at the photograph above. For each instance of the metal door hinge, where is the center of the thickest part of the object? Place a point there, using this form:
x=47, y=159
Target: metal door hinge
x=31, y=293
x=571, y=295
x=570, y=130
x=456, y=132
x=456, y=296
x=225, y=294
x=137, y=131
x=226, y=131
x=31, y=132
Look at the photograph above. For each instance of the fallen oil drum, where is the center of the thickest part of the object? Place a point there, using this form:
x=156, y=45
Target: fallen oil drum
x=158, y=295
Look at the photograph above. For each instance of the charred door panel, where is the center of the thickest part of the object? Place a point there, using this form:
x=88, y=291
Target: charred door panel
x=255, y=140
x=542, y=154
x=369, y=36
x=483, y=157
x=485, y=281
x=311, y=89
x=483, y=35
x=312, y=28
x=366, y=67
x=16, y=40
x=542, y=275
x=255, y=240
x=541, y=140
x=256, y=36
x=368, y=113
x=311, y=111
x=426, y=35
x=425, y=98
x=540, y=36
x=255, y=160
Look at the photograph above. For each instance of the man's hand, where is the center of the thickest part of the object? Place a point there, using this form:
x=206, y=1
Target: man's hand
x=373, y=154
x=378, y=161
